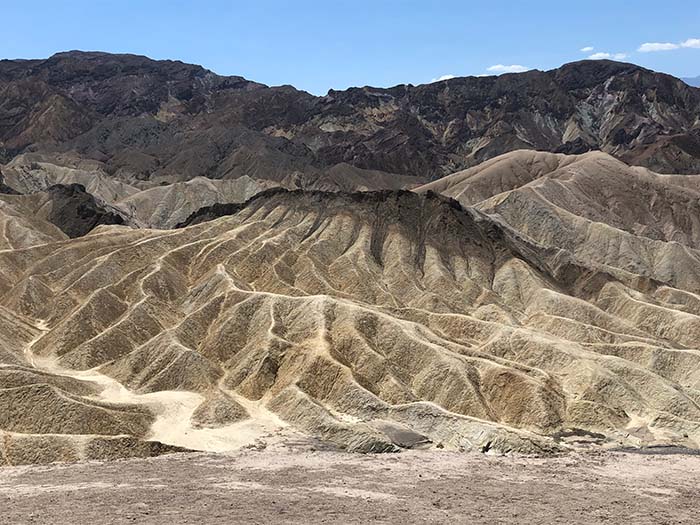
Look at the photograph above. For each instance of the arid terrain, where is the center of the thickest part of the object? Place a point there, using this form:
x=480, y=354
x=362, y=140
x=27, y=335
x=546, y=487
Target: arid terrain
x=476, y=300
x=297, y=484
x=540, y=310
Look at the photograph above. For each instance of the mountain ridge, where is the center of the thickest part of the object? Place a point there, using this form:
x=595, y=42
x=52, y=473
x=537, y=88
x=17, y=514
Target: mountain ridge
x=170, y=121
x=692, y=81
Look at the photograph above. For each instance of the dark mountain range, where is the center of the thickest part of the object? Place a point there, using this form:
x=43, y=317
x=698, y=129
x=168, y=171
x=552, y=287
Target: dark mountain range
x=166, y=121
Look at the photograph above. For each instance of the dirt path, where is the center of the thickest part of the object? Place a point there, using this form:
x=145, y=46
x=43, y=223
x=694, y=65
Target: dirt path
x=293, y=484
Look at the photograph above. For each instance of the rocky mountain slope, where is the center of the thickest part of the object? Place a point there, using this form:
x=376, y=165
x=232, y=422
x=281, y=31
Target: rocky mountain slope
x=163, y=205
x=167, y=121
x=73, y=210
x=627, y=219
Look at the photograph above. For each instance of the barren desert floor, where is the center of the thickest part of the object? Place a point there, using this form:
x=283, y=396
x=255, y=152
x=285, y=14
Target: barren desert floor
x=297, y=483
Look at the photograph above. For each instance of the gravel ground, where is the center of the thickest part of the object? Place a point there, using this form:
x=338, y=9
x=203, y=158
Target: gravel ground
x=297, y=484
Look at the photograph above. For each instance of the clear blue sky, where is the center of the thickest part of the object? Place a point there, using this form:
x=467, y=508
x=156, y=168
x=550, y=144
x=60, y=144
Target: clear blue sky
x=316, y=45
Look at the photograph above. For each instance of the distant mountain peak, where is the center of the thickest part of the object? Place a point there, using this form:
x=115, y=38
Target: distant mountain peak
x=693, y=81
x=180, y=121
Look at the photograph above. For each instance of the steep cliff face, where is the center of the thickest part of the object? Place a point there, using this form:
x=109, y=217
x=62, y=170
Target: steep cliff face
x=76, y=212
x=164, y=120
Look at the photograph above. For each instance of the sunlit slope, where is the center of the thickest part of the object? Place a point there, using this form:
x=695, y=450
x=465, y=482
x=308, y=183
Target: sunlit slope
x=355, y=318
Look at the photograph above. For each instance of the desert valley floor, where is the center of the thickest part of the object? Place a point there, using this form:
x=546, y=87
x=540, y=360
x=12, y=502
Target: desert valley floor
x=297, y=484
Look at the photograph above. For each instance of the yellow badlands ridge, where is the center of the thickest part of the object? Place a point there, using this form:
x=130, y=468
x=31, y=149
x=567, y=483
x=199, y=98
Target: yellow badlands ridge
x=548, y=306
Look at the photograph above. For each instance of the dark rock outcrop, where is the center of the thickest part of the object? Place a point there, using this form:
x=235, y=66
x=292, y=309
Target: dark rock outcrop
x=76, y=212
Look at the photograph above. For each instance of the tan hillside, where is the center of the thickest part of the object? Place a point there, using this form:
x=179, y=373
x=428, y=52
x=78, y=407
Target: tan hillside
x=21, y=228
x=369, y=320
x=609, y=215
x=164, y=204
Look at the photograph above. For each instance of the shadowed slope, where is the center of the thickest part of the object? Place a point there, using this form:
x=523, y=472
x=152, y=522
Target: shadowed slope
x=70, y=208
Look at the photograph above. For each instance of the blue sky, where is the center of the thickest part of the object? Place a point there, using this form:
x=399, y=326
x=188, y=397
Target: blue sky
x=316, y=45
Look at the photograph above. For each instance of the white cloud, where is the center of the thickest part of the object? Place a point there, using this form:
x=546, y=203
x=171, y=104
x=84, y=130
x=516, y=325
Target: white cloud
x=587, y=49
x=514, y=68
x=608, y=56
x=650, y=47
x=443, y=77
